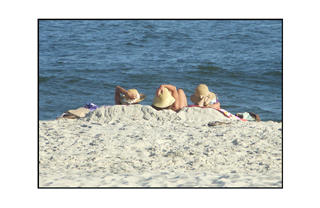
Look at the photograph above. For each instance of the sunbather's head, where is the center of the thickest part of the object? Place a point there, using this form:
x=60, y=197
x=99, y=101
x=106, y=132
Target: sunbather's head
x=203, y=96
x=163, y=101
x=126, y=100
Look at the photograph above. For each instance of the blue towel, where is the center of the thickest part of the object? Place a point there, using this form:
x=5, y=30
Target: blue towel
x=91, y=106
x=247, y=116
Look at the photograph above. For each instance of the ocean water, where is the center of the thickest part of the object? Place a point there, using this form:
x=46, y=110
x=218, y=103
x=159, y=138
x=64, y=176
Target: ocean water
x=83, y=61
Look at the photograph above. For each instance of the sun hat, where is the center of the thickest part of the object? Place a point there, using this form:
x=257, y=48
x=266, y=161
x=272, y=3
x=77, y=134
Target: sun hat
x=79, y=113
x=202, y=94
x=126, y=100
x=164, y=99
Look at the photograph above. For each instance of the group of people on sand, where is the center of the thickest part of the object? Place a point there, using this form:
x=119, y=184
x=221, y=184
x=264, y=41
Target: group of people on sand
x=168, y=97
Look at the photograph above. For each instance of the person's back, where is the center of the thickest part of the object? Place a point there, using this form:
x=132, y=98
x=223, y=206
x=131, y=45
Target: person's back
x=168, y=97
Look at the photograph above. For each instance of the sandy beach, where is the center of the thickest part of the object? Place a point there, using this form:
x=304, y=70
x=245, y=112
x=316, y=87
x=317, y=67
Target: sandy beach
x=137, y=146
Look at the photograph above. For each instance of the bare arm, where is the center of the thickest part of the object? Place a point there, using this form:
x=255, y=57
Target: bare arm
x=216, y=105
x=119, y=91
x=174, y=92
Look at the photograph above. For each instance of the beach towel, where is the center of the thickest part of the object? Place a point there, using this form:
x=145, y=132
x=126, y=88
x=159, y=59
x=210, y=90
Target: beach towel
x=249, y=116
x=224, y=112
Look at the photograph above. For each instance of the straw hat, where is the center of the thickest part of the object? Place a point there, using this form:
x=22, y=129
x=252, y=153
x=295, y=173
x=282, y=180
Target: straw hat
x=126, y=100
x=202, y=91
x=163, y=100
x=80, y=112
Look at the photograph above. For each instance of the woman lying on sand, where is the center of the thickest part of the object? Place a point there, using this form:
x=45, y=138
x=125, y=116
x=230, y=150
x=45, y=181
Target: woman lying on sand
x=168, y=97
x=204, y=98
x=131, y=96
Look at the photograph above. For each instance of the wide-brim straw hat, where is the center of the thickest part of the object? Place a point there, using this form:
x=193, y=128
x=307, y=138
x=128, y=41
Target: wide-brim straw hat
x=164, y=100
x=202, y=91
x=80, y=112
x=124, y=99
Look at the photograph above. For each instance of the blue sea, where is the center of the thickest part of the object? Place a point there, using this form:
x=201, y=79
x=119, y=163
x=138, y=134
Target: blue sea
x=83, y=61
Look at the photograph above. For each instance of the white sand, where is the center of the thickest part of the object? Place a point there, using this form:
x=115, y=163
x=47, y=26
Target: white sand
x=137, y=146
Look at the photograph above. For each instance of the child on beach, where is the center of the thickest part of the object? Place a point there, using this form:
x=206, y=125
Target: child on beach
x=168, y=97
x=204, y=98
x=128, y=97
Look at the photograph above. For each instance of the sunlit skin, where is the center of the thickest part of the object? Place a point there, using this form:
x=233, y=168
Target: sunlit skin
x=216, y=105
x=119, y=91
x=178, y=95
